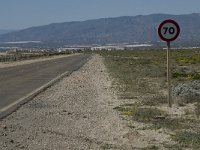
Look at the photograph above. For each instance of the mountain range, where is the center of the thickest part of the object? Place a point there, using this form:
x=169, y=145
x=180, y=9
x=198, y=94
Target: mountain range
x=4, y=31
x=125, y=29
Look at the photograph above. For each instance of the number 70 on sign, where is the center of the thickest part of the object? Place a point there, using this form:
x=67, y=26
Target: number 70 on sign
x=168, y=30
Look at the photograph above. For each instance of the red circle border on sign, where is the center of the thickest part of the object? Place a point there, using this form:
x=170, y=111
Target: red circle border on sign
x=169, y=21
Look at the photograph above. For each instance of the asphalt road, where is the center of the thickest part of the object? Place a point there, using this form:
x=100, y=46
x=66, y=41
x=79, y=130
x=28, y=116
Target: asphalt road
x=16, y=82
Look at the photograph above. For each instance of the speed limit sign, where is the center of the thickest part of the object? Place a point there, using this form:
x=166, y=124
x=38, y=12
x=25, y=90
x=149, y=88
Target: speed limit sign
x=168, y=30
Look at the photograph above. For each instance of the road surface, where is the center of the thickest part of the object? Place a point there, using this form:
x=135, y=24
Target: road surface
x=16, y=82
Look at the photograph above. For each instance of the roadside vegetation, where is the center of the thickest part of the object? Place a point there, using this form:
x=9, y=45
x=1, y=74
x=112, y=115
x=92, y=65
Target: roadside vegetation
x=16, y=56
x=139, y=77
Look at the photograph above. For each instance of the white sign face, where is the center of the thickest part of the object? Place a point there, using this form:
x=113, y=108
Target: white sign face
x=168, y=30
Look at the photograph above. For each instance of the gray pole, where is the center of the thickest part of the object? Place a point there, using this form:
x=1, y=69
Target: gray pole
x=169, y=74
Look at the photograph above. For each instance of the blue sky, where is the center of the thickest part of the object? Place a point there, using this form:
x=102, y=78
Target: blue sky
x=19, y=14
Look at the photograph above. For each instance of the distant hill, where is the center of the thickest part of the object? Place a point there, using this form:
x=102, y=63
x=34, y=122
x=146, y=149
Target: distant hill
x=125, y=29
x=2, y=31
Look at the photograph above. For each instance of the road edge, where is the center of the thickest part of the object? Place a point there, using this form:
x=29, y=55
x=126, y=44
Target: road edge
x=4, y=112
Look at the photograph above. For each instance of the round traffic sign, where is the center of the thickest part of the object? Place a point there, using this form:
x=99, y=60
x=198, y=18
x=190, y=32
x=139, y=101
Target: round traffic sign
x=168, y=30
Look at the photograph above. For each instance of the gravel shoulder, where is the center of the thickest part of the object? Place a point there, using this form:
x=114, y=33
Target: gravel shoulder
x=75, y=113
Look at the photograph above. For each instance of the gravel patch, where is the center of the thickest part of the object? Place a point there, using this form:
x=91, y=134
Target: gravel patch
x=185, y=89
x=186, y=93
x=75, y=113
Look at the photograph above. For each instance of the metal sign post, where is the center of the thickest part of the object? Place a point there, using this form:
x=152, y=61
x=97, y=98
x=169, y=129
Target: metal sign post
x=168, y=31
x=169, y=74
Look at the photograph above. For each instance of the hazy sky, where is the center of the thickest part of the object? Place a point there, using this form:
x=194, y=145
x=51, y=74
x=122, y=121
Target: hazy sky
x=18, y=14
